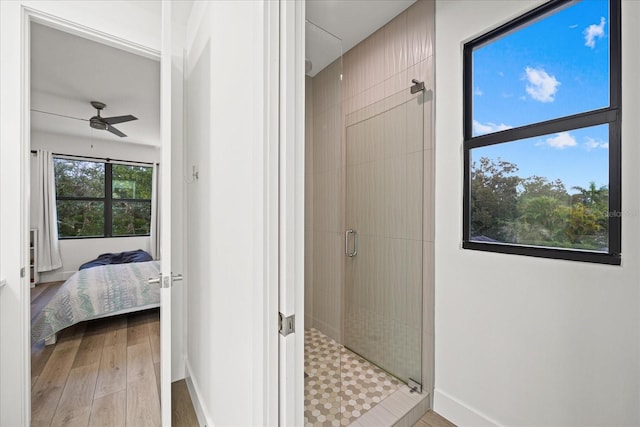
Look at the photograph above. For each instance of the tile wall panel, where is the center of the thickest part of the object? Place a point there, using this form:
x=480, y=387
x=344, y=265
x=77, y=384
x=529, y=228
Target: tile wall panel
x=415, y=193
x=395, y=45
x=428, y=210
x=374, y=59
x=420, y=18
x=395, y=132
x=327, y=201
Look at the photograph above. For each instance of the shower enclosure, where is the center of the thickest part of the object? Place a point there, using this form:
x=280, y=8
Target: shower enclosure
x=363, y=242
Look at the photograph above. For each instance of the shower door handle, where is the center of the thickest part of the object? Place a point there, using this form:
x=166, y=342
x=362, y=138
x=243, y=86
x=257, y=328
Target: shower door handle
x=355, y=243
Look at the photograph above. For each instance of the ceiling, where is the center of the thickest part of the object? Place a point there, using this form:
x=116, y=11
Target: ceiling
x=67, y=72
x=350, y=21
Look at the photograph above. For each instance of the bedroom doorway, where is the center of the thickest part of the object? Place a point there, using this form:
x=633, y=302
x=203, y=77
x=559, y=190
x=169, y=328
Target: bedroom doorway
x=116, y=366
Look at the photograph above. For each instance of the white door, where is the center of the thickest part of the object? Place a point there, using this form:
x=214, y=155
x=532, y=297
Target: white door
x=165, y=217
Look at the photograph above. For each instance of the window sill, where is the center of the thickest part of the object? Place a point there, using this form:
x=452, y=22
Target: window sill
x=543, y=252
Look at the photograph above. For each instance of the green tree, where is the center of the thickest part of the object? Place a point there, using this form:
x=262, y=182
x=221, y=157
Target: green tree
x=592, y=197
x=494, y=197
x=85, y=180
x=534, y=210
x=589, y=221
x=535, y=186
x=584, y=227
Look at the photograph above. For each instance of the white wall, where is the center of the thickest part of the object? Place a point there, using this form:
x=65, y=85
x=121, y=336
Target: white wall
x=72, y=145
x=78, y=251
x=521, y=340
x=225, y=214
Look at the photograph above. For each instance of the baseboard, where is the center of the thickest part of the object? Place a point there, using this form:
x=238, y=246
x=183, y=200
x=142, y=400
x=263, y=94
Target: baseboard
x=55, y=276
x=459, y=413
x=204, y=420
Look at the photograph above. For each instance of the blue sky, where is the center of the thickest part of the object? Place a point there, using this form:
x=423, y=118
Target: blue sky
x=552, y=68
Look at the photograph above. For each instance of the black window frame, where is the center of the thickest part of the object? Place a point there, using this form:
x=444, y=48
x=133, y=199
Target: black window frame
x=610, y=115
x=108, y=198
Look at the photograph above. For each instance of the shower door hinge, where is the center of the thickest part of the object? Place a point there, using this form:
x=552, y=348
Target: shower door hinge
x=414, y=386
x=287, y=324
x=22, y=271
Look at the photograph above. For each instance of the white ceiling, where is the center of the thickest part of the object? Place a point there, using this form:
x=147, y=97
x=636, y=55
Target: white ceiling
x=67, y=72
x=351, y=21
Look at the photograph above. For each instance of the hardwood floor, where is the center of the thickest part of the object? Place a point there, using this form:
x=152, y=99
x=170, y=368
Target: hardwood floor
x=103, y=372
x=432, y=419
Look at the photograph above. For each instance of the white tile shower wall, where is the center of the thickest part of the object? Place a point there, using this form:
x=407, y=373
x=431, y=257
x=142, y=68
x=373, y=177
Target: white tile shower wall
x=378, y=67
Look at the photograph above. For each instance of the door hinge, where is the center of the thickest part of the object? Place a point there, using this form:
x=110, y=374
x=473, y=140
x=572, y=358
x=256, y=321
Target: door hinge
x=22, y=271
x=287, y=324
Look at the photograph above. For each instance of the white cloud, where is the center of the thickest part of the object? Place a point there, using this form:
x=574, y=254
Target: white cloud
x=560, y=141
x=542, y=87
x=591, y=144
x=484, y=128
x=573, y=26
x=478, y=92
x=593, y=31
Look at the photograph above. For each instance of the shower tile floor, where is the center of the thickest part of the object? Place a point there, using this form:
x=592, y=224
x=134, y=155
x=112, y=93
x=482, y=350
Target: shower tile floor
x=339, y=385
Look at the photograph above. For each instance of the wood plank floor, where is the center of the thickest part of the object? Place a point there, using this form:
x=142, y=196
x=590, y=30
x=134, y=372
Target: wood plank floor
x=102, y=373
x=432, y=419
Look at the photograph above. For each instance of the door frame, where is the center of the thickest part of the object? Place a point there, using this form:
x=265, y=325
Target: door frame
x=291, y=217
x=29, y=15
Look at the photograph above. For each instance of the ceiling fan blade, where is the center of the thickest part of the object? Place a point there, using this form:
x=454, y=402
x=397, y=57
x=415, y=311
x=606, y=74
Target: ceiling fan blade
x=59, y=115
x=115, y=131
x=118, y=119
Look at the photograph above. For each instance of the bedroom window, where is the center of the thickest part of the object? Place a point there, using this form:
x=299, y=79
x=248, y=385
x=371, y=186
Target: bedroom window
x=102, y=199
x=542, y=136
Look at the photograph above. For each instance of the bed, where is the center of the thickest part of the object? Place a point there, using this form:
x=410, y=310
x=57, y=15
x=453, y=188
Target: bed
x=93, y=293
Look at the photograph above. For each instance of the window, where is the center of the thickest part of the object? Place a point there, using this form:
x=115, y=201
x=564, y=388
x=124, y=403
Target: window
x=542, y=134
x=102, y=199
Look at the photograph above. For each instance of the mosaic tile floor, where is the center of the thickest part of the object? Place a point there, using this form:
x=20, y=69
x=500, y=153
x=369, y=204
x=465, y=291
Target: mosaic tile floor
x=339, y=386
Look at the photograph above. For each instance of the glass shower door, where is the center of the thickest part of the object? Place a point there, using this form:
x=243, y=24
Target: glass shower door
x=384, y=238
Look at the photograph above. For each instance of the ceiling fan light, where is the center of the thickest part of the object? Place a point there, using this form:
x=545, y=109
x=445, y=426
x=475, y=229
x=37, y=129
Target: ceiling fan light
x=97, y=124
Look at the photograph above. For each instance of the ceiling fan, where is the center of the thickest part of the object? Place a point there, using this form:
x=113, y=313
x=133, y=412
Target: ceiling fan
x=104, y=123
x=99, y=122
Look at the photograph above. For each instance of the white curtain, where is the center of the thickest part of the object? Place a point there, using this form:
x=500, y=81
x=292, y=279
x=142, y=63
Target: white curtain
x=48, y=248
x=155, y=213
